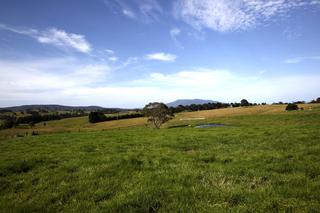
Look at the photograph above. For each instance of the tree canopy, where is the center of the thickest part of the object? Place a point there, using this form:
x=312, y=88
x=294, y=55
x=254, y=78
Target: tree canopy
x=244, y=102
x=157, y=113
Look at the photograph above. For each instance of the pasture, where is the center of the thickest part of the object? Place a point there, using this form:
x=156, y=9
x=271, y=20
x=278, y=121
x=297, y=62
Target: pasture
x=263, y=160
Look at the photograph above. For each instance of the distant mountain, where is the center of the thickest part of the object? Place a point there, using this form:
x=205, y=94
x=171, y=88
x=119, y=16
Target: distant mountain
x=186, y=102
x=54, y=107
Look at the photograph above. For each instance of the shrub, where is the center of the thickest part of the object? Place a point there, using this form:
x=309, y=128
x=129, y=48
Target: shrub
x=291, y=107
x=8, y=122
x=244, y=102
x=33, y=133
x=95, y=117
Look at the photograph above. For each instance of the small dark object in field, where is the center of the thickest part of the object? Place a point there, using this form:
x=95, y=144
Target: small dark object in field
x=178, y=126
x=209, y=159
x=19, y=136
x=89, y=148
x=291, y=107
x=21, y=167
x=236, y=199
x=312, y=172
x=31, y=124
x=33, y=133
x=227, y=160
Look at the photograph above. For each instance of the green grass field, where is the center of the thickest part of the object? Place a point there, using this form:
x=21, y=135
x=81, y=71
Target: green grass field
x=263, y=160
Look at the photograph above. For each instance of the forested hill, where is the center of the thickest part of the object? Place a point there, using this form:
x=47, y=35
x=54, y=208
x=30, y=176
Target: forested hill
x=186, y=102
x=53, y=107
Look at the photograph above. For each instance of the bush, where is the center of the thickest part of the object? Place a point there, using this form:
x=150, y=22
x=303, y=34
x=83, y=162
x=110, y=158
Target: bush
x=8, y=122
x=95, y=117
x=33, y=133
x=244, y=102
x=291, y=107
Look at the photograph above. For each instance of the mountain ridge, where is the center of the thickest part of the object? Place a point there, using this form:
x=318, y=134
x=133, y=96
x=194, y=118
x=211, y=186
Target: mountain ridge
x=186, y=102
x=53, y=107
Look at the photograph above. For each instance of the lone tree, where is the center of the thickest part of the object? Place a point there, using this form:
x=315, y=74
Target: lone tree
x=244, y=102
x=157, y=113
x=291, y=107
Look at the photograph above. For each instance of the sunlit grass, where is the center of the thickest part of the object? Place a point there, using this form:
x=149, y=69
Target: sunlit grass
x=259, y=162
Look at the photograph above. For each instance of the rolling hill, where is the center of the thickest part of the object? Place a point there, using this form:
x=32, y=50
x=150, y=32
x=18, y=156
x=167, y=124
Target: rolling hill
x=53, y=107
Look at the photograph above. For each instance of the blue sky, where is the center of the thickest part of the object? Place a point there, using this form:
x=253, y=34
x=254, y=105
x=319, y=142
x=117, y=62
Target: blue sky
x=126, y=53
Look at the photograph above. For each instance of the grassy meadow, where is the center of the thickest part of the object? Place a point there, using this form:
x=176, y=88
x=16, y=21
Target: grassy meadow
x=263, y=160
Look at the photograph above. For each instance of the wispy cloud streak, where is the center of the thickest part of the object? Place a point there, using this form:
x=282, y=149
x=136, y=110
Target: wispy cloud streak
x=160, y=56
x=144, y=10
x=234, y=15
x=174, y=33
x=54, y=37
x=300, y=59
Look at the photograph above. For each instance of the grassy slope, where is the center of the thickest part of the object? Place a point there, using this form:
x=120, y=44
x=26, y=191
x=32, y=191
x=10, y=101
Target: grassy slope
x=82, y=124
x=71, y=125
x=265, y=160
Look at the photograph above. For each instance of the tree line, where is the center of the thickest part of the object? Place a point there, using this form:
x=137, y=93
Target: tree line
x=156, y=112
x=156, y=109
x=9, y=121
x=209, y=106
x=99, y=116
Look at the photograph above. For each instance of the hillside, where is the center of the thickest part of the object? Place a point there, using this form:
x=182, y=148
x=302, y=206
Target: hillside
x=82, y=123
x=264, y=160
x=54, y=107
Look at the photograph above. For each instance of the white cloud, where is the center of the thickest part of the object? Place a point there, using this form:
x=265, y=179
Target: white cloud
x=203, y=77
x=109, y=51
x=233, y=15
x=61, y=38
x=160, y=56
x=105, y=55
x=144, y=10
x=55, y=37
x=113, y=58
x=127, y=62
x=300, y=59
x=174, y=33
x=72, y=82
x=224, y=85
x=129, y=13
x=292, y=34
x=150, y=9
x=50, y=74
x=293, y=60
x=65, y=81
